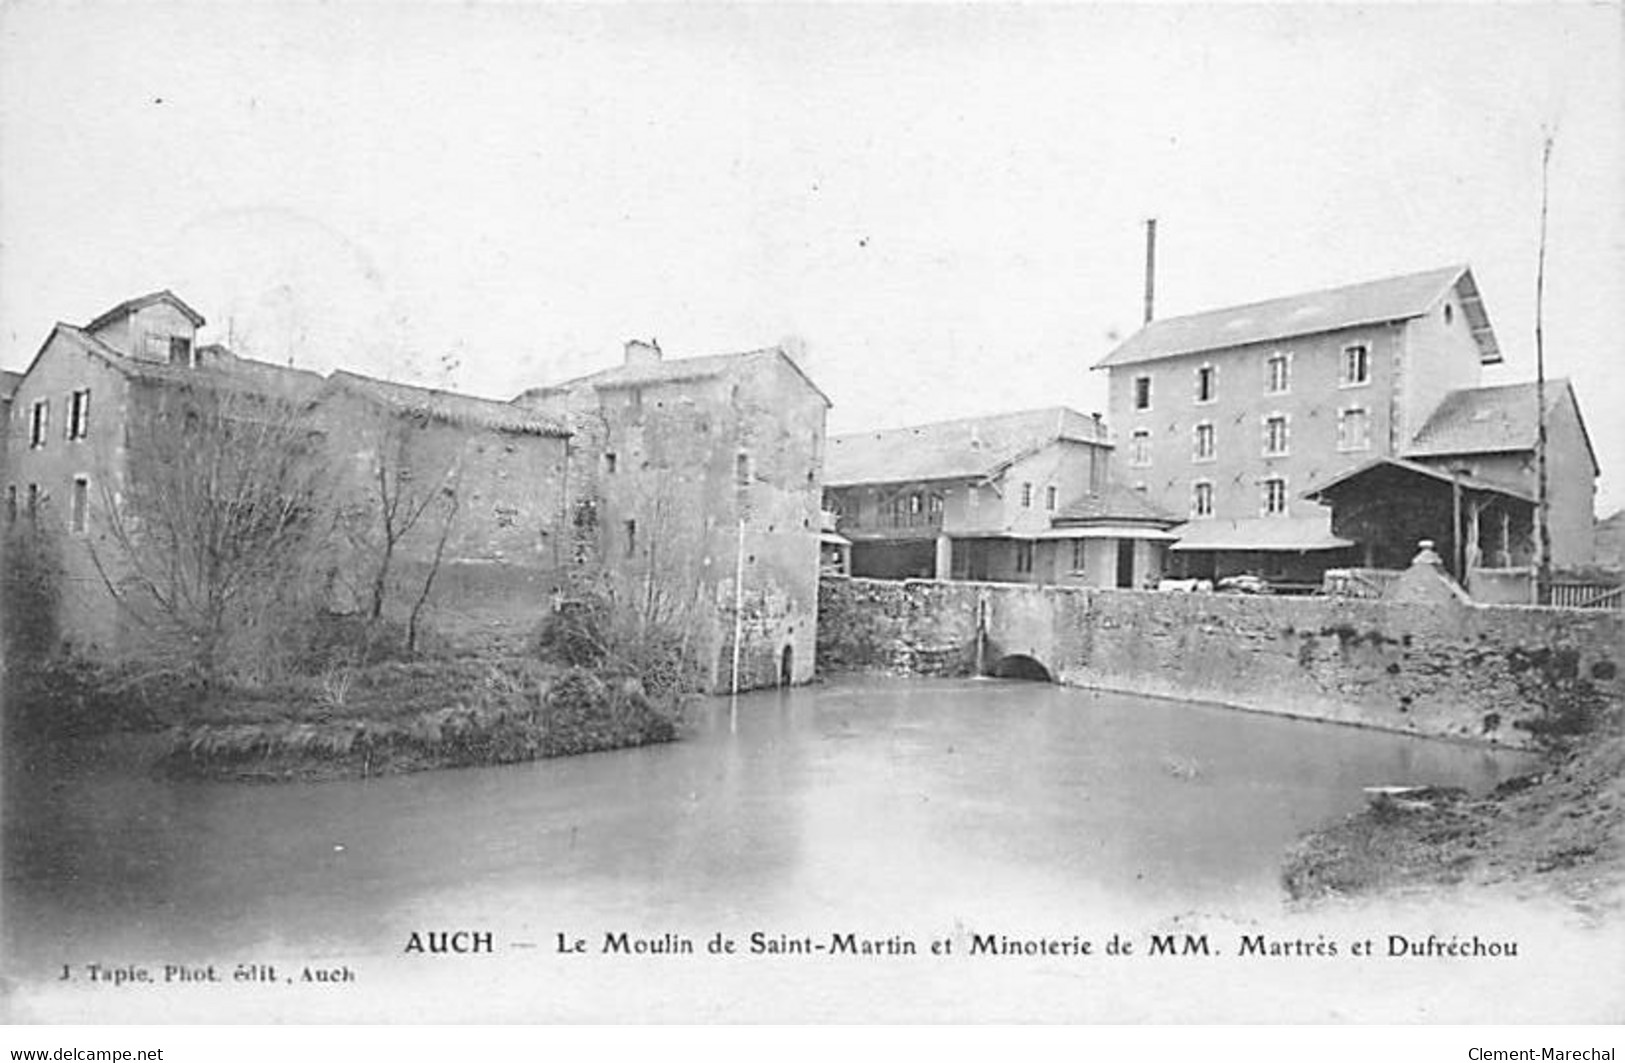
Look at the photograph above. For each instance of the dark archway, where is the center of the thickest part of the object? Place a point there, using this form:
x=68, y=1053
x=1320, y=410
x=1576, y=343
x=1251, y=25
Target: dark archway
x=1020, y=666
x=787, y=661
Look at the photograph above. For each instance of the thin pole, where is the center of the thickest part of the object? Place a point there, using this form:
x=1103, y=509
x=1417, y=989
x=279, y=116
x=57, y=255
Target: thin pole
x=1150, y=266
x=1543, y=545
x=739, y=602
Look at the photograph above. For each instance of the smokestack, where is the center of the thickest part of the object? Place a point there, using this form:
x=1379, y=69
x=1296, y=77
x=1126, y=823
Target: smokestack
x=1150, y=266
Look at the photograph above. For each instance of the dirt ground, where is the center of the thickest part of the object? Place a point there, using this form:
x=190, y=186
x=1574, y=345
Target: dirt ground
x=1557, y=833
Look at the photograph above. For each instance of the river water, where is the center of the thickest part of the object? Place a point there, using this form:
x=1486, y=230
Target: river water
x=894, y=809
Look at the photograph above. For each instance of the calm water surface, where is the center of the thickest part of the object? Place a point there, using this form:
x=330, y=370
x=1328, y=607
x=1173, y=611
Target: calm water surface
x=856, y=804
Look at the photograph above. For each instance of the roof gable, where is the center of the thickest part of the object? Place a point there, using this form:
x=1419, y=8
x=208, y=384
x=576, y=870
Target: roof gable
x=141, y=302
x=948, y=450
x=1371, y=302
x=1493, y=420
x=675, y=370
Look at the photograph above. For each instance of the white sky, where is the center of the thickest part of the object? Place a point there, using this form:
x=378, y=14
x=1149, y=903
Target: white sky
x=944, y=204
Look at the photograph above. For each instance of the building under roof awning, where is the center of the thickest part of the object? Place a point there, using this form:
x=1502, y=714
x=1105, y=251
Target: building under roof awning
x=1395, y=469
x=1109, y=531
x=1263, y=534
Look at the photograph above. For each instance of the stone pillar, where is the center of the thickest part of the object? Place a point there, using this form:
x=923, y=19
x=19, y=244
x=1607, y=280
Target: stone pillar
x=945, y=557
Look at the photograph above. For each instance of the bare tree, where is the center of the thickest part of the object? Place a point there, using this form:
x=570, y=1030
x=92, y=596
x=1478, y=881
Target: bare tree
x=400, y=494
x=221, y=515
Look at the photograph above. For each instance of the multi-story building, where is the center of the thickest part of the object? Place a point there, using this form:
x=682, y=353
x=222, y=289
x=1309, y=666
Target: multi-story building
x=1020, y=497
x=696, y=483
x=1228, y=416
x=73, y=436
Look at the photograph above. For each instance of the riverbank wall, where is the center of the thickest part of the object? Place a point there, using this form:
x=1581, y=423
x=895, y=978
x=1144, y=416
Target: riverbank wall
x=1437, y=665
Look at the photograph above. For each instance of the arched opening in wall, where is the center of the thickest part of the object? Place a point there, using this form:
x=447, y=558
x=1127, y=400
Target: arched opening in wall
x=1020, y=666
x=787, y=663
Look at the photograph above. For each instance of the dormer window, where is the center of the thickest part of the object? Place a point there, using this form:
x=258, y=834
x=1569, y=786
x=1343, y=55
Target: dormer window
x=180, y=350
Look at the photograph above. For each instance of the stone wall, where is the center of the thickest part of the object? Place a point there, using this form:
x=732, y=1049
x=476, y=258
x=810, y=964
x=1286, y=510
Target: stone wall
x=1441, y=668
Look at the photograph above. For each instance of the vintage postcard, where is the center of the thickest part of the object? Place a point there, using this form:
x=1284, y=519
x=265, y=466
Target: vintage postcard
x=524, y=513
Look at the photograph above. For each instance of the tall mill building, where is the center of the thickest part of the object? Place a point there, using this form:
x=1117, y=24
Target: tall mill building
x=1233, y=417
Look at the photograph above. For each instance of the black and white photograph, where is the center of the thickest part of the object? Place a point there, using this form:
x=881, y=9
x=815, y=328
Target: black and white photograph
x=524, y=513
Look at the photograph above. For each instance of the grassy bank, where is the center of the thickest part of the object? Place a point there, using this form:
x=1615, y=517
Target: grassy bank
x=398, y=717
x=1561, y=830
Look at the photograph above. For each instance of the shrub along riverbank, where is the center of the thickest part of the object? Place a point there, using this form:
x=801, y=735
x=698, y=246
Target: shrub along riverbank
x=358, y=705
x=397, y=717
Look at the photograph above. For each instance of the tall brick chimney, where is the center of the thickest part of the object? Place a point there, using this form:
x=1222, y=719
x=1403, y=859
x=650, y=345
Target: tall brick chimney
x=641, y=353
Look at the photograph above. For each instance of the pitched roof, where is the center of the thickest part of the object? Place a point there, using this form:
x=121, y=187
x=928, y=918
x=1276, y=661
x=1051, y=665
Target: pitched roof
x=950, y=450
x=1262, y=534
x=448, y=406
x=1383, y=467
x=1372, y=302
x=673, y=370
x=1492, y=420
x=1119, y=502
x=140, y=302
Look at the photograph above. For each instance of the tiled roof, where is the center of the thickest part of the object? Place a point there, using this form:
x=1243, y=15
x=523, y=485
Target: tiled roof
x=140, y=302
x=449, y=406
x=1326, y=490
x=1486, y=420
x=235, y=373
x=1373, y=302
x=947, y=450
x=1119, y=502
x=672, y=370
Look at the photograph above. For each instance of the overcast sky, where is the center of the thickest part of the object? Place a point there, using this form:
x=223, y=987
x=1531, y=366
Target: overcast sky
x=942, y=205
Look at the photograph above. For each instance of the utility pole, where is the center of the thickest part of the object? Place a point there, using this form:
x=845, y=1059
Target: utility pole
x=1543, y=541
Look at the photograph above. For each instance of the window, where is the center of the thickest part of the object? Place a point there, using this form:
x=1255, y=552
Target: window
x=180, y=350
x=1356, y=365
x=742, y=469
x=40, y=423
x=1206, y=384
x=1139, y=449
x=1049, y=498
x=1142, y=393
x=1275, y=434
x=1278, y=373
x=631, y=537
x=609, y=462
x=33, y=501
x=1024, y=557
x=1026, y=496
x=1275, y=496
x=11, y=504
x=81, y=504
x=79, y=414
x=934, y=501
x=1202, y=499
x=1080, y=554
x=1204, y=442
x=1353, y=429
x=1449, y=314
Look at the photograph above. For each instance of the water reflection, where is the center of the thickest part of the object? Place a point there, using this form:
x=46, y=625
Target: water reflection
x=852, y=801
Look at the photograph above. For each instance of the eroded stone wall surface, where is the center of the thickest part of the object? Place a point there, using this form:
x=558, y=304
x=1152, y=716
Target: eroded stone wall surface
x=1503, y=674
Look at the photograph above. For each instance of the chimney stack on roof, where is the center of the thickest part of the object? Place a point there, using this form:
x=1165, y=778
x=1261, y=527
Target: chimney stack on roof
x=641, y=353
x=1150, y=266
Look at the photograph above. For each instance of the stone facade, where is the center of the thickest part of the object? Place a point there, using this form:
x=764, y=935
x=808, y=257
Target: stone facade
x=488, y=478
x=1437, y=667
x=696, y=482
